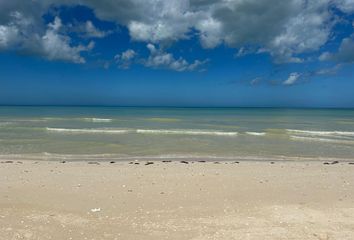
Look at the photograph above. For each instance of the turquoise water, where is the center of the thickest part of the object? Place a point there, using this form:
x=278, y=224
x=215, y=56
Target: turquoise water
x=82, y=133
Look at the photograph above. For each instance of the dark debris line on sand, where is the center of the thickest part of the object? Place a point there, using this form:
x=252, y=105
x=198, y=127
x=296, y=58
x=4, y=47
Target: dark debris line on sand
x=96, y=163
x=331, y=163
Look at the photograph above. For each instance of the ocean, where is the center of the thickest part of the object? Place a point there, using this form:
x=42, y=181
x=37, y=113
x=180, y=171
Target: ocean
x=123, y=133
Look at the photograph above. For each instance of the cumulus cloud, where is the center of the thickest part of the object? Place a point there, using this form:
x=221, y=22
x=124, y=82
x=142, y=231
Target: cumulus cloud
x=157, y=59
x=92, y=31
x=292, y=79
x=329, y=70
x=125, y=59
x=22, y=34
x=88, y=30
x=345, y=52
x=160, y=59
x=57, y=47
x=8, y=35
x=284, y=29
x=345, y=5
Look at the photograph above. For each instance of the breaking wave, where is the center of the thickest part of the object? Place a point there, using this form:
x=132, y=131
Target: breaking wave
x=186, y=132
x=142, y=131
x=337, y=137
x=72, y=130
x=321, y=133
x=256, y=133
x=98, y=120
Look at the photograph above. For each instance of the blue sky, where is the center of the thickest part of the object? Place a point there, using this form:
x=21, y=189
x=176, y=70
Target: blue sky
x=296, y=53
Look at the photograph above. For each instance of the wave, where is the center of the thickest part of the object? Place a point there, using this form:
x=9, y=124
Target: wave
x=142, y=131
x=87, y=130
x=186, y=132
x=5, y=123
x=321, y=133
x=256, y=133
x=98, y=120
x=316, y=139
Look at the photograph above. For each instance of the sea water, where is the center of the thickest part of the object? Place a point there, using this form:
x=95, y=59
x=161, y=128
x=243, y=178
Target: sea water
x=118, y=133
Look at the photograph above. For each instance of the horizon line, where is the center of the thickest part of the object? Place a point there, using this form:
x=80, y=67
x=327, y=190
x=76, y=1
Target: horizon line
x=171, y=106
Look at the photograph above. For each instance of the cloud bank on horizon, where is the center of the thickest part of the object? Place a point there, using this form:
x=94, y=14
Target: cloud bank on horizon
x=294, y=31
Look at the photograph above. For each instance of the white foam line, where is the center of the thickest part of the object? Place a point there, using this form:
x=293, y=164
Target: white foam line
x=324, y=133
x=144, y=131
x=256, y=133
x=5, y=123
x=186, y=132
x=314, y=139
x=97, y=120
x=108, y=131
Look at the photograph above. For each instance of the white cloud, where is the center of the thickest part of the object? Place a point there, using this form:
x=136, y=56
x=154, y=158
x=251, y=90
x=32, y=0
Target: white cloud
x=160, y=59
x=8, y=35
x=92, y=31
x=345, y=5
x=57, y=47
x=210, y=32
x=292, y=79
x=125, y=59
x=88, y=30
x=255, y=81
x=329, y=70
x=52, y=45
x=345, y=52
x=157, y=59
x=284, y=29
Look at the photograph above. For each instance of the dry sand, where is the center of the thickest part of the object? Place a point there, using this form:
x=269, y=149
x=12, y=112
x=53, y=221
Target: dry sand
x=249, y=200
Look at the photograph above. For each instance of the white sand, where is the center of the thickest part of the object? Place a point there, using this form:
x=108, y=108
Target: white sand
x=250, y=200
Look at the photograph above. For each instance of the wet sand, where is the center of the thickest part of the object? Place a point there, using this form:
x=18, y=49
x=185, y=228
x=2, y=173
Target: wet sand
x=176, y=200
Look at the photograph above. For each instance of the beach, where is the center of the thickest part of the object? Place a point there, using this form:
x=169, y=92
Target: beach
x=165, y=199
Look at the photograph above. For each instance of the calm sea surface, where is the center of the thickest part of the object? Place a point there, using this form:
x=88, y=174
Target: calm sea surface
x=105, y=133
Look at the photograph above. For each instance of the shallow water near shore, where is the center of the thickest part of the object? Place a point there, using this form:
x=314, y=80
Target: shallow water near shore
x=101, y=133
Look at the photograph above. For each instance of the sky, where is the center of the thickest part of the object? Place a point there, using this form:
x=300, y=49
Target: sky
x=186, y=53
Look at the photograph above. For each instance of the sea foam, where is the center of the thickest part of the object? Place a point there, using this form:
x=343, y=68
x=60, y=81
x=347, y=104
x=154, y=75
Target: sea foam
x=142, y=131
x=98, y=120
x=87, y=130
x=185, y=132
x=256, y=133
x=320, y=133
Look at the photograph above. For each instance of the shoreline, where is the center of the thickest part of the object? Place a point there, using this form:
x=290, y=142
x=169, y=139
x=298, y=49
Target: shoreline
x=112, y=157
x=175, y=200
